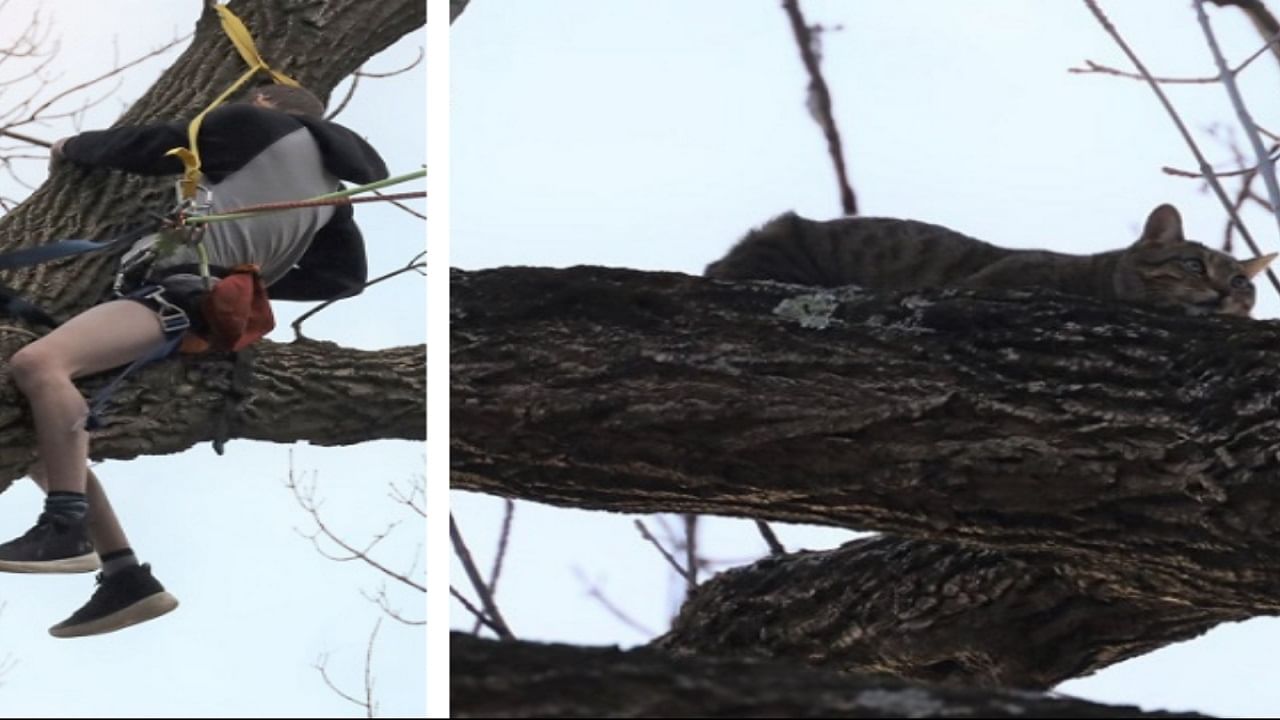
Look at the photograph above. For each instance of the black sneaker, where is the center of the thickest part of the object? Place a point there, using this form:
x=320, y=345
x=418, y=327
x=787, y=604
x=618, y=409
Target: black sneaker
x=54, y=545
x=128, y=597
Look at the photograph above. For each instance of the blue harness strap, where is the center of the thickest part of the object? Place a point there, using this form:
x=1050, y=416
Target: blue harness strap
x=13, y=304
x=17, y=306
x=52, y=251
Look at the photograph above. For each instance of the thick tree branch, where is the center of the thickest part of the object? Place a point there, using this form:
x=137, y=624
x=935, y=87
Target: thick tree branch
x=1138, y=447
x=313, y=391
x=932, y=612
x=521, y=679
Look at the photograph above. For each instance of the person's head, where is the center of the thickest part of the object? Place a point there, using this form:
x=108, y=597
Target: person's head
x=285, y=98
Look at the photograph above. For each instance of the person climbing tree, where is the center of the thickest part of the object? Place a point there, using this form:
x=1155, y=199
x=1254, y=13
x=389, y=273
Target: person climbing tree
x=273, y=145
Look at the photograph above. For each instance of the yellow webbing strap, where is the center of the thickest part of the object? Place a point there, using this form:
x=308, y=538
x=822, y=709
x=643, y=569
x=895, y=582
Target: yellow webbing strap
x=243, y=41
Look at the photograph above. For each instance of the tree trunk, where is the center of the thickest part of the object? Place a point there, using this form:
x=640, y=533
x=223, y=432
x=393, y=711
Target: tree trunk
x=292, y=395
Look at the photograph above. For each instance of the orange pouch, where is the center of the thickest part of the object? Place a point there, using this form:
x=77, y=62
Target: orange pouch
x=236, y=311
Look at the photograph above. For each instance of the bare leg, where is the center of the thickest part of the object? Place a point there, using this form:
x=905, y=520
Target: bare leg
x=104, y=527
x=100, y=338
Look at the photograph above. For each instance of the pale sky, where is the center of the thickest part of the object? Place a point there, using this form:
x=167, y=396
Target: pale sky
x=654, y=134
x=258, y=604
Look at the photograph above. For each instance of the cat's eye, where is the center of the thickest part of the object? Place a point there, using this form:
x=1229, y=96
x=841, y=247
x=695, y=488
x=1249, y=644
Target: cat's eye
x=1193, y=265
x=1240, y=282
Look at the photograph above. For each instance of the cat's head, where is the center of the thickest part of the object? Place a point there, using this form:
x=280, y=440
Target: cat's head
x=1164, y=268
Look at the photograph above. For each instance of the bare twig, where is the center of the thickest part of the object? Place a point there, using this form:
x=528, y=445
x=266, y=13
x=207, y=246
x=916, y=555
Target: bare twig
x=595, y=593
x=417, y=264
x=1261, y=18
x=1266, y=166
x=691, y=560
x=1243, y=196
x=307, y=500
x=384, y=603
x=367, y=702
x=504, y=535
x=392, y=73
x=1267, y=132
x=820, y=101
x=415, y=499
x=25, y=138
x=33, y=53
x=477, y=612
x=644, y=531
x=1178, y=172
x=1093, y=67
x=361, y=73
x=351, y=92
x=1205, y=168
x=477, y=583
x=775, y=546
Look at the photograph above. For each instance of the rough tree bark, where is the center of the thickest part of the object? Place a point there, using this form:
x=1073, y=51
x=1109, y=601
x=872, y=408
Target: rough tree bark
x=489, y=678
x=1100, y=476
x=318, y=43
x=929, y=611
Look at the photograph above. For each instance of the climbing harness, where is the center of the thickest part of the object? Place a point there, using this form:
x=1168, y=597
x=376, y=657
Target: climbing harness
x=227, y=315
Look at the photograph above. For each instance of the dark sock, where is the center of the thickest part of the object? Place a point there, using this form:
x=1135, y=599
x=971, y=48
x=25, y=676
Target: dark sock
x=69, y=506
x=117, y=560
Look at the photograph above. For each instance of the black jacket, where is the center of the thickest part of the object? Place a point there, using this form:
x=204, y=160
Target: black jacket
x=230, y=136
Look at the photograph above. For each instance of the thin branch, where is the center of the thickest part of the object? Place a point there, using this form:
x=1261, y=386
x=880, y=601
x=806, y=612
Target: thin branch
x=1205, y=168
x=415, y=499
x=351, y=92
x=417, y=264
x=691, y=561
x=1246, y=192
x=644, y=531
x=306, y=499
x=477, y=583
x=477, y=612
x=1266, y=166
x=25, y=138
x=1092, y=67
x=1267, y=132
x=398, y=71
x=384, y=603
x=594, y=592
x=368, y=703
x=820, y=101
x=1262, y=19
x=360, y=73
x=504, y=536
x=1178, y=172
x=770, y=539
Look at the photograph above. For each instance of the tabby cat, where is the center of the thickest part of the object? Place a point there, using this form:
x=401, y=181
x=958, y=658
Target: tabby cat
x=1162, y=268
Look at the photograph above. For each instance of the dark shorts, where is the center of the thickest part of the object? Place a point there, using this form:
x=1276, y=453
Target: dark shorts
x=175, y=298
x=174, y=318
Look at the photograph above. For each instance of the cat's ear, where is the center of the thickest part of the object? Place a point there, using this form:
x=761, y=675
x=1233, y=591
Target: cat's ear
x=1256, y=265
x=1164, y=227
